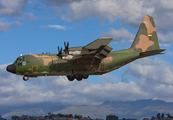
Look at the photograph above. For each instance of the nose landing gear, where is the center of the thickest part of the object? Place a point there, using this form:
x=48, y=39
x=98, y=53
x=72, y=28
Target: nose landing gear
x=25, y=77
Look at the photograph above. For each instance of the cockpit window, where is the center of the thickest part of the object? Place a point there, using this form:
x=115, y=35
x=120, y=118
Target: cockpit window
x=21, y=59
x=15, y=62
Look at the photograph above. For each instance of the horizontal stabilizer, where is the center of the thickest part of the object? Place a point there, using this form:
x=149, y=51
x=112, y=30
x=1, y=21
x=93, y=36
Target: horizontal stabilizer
x=150, y=53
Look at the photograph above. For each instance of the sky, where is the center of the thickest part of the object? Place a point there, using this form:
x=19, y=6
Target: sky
x=30, y=26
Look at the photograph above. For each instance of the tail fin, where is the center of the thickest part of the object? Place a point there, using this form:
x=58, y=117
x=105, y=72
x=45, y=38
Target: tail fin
x=146, y=39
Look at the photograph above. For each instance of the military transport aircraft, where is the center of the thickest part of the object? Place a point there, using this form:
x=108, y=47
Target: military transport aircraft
x=95, y=58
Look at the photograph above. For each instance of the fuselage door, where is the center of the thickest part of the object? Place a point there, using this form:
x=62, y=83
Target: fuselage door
x=34, y=68
x=102, y=66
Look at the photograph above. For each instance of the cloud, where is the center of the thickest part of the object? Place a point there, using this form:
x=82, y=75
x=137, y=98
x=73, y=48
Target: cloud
x=122, y=35
x=149, y=69
x=18, y=23
x=129, y=13
x=12, y=7
x=165, y=37
x=13, y=90
x=4, y=26
x=59, y=3
x=152, y=83
x=163, y=13
x=107, y=78
x=28, y=16
x=154, y=77
x=59, y=27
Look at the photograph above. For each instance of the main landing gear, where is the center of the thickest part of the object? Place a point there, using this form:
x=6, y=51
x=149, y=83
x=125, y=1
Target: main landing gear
x=77, y=77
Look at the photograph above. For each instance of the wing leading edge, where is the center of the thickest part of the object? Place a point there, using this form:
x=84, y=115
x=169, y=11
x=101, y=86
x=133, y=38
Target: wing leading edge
x=98, y=43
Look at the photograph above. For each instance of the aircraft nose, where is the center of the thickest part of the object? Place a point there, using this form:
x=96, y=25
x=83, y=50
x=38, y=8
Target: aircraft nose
x=11, y=68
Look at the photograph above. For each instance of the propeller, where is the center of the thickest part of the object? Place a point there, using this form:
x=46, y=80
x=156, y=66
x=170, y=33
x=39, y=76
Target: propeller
x=66, y=47
x=59, y=52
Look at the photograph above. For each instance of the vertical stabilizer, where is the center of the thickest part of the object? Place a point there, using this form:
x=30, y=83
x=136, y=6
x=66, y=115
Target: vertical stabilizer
x=146, y=38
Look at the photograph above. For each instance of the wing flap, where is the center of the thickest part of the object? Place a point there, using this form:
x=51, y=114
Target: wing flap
x=99, y=47
x=105, y=51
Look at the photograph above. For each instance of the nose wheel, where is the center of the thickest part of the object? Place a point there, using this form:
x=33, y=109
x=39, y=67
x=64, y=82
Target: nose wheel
x=25, y=77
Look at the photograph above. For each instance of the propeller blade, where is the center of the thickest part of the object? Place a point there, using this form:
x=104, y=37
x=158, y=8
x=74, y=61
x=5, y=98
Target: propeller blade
x=59, y=52
x=66, y=45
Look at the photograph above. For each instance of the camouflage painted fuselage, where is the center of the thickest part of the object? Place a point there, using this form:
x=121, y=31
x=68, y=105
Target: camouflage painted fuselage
x=52, y=65
x=94, y=59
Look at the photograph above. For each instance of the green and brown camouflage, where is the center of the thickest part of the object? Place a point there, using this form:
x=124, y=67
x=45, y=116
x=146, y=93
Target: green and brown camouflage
x=95, y=58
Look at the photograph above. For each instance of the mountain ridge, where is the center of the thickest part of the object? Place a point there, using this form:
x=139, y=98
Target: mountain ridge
x=123, y=109
x=130, y=109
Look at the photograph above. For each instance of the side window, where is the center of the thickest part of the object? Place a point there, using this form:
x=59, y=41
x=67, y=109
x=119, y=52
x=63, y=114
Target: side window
x=19, y=64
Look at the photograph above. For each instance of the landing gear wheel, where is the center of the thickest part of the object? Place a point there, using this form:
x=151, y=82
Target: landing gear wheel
x=70, y=78
x=79, y=77
x=25, y=78
x=85, y=76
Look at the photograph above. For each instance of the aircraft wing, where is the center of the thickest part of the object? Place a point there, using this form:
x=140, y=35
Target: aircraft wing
x=99, y=47
x=98, y=43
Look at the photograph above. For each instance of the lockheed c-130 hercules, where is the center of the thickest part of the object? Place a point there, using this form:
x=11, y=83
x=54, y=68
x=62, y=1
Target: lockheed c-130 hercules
x=95, y=58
